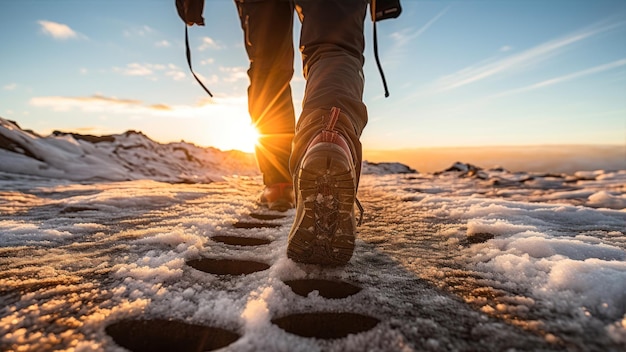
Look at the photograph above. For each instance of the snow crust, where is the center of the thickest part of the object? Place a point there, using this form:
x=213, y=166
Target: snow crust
x=552, y=240
x=464, y=259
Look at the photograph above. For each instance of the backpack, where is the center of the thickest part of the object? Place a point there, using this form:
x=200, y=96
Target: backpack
x=190, y=11
x=384, y=9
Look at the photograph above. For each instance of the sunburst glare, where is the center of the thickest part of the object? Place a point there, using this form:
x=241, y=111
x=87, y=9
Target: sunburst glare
x=249, y=138
x=225, y=126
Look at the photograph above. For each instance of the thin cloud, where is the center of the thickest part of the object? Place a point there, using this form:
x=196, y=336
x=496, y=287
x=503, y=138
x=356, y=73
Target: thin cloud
x=526, y=58
x=151, y=71
x=176, y=75
x=209, y=43
x=564, y=78
x=162, y=44
x=234, y=74
x=161, y=107
x=140, y=31
x=217, y=106
x=206, y=101
x=138, y=69
x=58, y=30
x=97, y=103
x=213, y=79
x=146, y=69
x=403, y=39
x=10, y=86
x=407, y=35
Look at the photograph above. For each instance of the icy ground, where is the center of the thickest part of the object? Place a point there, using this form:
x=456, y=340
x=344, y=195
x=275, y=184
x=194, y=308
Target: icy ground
x=464, y=260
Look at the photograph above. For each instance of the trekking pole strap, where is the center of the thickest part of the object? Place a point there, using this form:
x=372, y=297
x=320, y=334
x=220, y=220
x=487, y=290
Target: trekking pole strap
x=382, y=10
x=189, y=62
x=380, y=67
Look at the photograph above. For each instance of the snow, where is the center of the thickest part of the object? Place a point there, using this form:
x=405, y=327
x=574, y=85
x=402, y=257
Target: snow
x=550, y=249
x=127, y=156
x=463, y=259
x=607, y=200
x=370, y=168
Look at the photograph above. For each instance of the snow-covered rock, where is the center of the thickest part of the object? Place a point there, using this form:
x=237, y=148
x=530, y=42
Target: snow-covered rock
x=127, y=156
x=467, y=170
x=370, y=168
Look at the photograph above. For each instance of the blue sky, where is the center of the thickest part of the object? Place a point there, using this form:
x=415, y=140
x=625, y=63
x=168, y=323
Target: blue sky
x=461, y=73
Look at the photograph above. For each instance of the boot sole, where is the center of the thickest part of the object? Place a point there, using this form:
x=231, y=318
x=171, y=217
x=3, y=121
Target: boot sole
x=324, y=230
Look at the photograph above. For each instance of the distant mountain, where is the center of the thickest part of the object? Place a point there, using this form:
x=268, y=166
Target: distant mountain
x=127, y=156
x=370, y=168
x=133, y=155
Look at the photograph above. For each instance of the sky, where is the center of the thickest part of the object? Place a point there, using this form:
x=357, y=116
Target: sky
x=460, y=73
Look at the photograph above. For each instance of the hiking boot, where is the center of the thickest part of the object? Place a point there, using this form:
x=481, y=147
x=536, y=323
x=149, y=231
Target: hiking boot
x=278, y=196
x=324, y=229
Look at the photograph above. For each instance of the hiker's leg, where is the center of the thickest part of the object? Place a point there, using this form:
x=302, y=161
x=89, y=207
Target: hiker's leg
x=326, y=155
x=267, y=27
x=332, y=45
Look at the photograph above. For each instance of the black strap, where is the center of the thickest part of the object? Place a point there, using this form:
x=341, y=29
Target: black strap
x=378, y=64
x=380, y=67
x=189, y=62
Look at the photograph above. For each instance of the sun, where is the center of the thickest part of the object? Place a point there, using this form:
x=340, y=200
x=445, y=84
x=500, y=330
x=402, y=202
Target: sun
x=233, y=132
x=248, y=138
x=225, y=125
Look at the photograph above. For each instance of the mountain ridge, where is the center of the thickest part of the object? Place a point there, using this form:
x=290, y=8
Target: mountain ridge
x=130, y=155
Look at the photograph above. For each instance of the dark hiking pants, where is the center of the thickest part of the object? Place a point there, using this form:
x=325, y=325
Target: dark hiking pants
x=331, y=44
